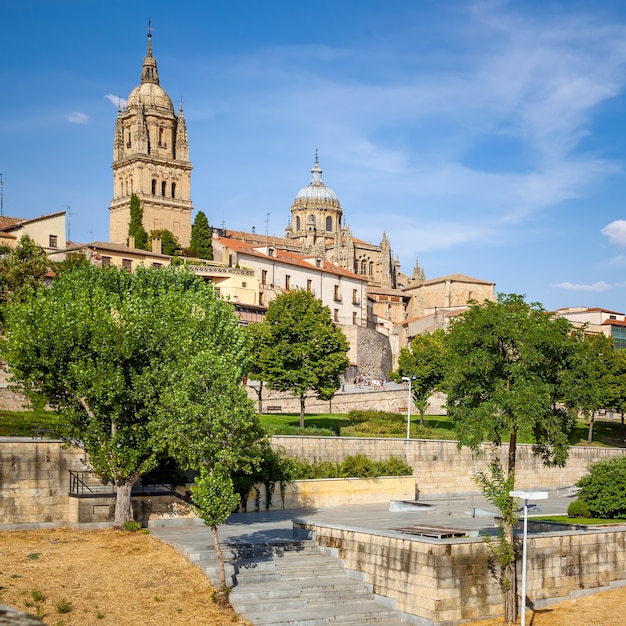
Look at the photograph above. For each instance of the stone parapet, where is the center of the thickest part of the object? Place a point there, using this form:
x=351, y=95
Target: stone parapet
x=440, y=466
x=443, y=582
x=332, y=492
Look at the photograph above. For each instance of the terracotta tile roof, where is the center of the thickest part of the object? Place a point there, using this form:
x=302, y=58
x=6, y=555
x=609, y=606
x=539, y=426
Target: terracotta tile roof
x=614, y=323
x=451, y=313
x=459, y=278
x=8, y=223
x=285, y=256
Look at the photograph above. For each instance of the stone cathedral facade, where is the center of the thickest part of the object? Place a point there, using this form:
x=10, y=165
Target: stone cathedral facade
x=151, y=159
x=317, y=228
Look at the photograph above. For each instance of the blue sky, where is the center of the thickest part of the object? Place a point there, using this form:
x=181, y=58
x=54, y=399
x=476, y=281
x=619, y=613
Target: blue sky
x=486, y=138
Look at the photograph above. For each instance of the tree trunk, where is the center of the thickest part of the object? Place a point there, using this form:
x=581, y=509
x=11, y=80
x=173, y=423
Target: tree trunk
x=302, y=401
x=422, y=419
x=510, y=595
x=222, y=590
x=123, y=505
x=510, y=571
x=259, y=392
x=590, y=431
x=622, y=427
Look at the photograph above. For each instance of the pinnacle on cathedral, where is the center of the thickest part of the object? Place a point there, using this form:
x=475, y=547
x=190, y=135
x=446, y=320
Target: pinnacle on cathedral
x=151, y=160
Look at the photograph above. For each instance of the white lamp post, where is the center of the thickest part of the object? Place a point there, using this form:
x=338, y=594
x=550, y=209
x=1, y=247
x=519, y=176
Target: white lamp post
x=526, y=496
x=408, y=408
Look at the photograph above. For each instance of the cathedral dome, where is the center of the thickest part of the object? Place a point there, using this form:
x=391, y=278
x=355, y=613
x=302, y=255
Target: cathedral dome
x=150, y=95
x=317, y=190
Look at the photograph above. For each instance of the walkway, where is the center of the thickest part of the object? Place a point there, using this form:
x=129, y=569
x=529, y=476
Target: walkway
x=279, y=579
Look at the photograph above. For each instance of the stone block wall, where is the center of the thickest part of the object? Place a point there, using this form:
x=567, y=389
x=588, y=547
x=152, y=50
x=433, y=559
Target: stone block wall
x=442, y=582
x=334, y=492
x=440, y=467
x=368, y=400
x=34, y=480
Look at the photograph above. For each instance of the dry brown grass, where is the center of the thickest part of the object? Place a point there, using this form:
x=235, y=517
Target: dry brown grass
x=108, y=577
x=124, y=579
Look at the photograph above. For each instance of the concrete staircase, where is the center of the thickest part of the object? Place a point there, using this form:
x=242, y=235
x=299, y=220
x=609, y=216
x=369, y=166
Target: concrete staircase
x=289, y=582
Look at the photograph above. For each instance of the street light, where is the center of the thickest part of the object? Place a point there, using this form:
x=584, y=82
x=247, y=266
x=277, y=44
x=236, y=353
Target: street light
x=526, y=496
x=408, y=408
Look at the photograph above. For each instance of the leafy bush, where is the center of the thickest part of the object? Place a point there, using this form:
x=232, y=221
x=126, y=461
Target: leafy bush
x=132, y=526
x=603, y=489
x=25, y=423
x=578, y=508
x=308, y=431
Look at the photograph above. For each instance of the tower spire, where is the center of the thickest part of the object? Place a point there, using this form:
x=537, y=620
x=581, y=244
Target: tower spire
x=149, y=72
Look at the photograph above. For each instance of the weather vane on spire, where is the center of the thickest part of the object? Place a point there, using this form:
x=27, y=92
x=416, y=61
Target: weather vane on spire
x=316, y=155
x=149, y=28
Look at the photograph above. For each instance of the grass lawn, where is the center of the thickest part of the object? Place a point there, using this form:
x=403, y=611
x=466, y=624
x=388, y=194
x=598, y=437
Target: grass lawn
x=605, y=433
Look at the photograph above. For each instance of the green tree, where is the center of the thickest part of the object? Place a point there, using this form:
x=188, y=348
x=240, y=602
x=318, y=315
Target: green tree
x=603, y=489
x=135, y=226
x=214, y=499
x=303, y=350
x=512, y=373
x=137, y=364
x=72, y=261
x=22, y=272
x=169, y=242
x=259, y=335
x=201, y=244
x=615, y=389
x=423, y=361
x=596, y=359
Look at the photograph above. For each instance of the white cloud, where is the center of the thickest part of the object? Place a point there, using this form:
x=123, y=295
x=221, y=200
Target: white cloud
x=116, y=100
x=616, y=232
x=598, y=287
x=78, y=118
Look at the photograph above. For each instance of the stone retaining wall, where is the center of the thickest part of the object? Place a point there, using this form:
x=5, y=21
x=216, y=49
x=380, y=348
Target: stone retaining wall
x=333, y=492
x=34, y=480
x=343, y=402
x=444, y=582
x=440, y=467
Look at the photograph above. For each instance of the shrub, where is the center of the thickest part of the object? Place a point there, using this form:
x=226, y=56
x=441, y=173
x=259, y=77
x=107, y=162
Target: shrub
x=132, y=526
x=578, y=508
x=307, y=431
x=63, y=606
x=603, y=489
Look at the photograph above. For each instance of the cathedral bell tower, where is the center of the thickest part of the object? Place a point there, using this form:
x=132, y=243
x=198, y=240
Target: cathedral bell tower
x=151, y=160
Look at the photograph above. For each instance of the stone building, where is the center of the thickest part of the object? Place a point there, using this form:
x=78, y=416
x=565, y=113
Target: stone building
x=318, y=228
x=151, y=159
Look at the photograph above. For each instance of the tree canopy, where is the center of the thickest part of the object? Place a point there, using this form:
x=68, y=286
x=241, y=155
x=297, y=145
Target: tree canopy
x=138, y=364
x=135, y=226
x=22, y=272
x=423, y=361
x=513, y=371
x=201, y=244
x=302, y=350
x=169, y=242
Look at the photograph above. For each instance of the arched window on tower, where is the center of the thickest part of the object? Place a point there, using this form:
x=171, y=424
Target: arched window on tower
x=154, y=186
x=329, y=224
x=298, y=222
x=173, y=190
x=160, y=137
x=363, y=267
x=163, y=183
x=312, y=220
x=371, y=268
x=128, y=142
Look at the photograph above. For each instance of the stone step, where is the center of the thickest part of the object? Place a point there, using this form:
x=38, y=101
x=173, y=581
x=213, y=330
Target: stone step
x=290, y=583
x=346, y=588
x=254, y=602
x=365, y=613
